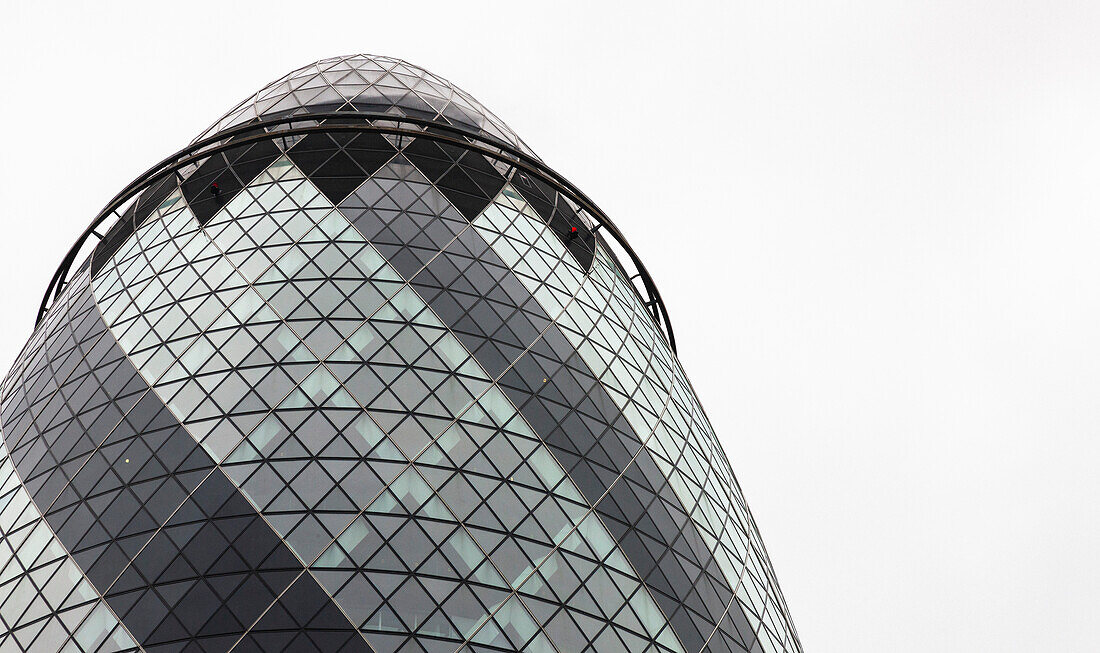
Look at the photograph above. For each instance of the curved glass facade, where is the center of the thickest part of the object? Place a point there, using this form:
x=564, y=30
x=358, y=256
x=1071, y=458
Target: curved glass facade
x=357, y=384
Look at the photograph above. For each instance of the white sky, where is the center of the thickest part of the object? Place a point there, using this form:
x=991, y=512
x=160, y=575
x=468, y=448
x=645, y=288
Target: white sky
x=875, y=225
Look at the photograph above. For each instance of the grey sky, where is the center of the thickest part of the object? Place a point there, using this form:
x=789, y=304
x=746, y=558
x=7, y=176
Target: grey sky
x=875, y=225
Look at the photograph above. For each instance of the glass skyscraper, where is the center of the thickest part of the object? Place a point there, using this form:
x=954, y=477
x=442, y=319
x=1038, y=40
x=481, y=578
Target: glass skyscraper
x=357, y=371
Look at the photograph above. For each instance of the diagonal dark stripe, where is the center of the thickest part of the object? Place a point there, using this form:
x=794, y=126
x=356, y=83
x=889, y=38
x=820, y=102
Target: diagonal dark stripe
x=178, y=552
x=479, y=298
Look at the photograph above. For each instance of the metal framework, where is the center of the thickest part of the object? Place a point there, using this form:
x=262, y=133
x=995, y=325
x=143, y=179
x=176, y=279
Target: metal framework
x=246, y=134
x=334, y=378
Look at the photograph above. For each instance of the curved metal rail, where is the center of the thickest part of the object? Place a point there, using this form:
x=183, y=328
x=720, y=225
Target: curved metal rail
x=240, y=135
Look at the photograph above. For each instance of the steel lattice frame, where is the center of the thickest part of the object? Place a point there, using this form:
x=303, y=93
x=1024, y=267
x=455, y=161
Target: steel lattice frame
x=356, y=371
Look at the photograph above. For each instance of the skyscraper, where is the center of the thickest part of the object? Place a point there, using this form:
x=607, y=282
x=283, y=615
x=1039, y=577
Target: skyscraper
x=355, y=370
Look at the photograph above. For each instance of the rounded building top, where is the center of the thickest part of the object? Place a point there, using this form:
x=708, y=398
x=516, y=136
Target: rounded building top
x=369, y=84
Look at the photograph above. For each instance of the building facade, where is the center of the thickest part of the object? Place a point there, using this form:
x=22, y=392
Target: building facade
x=356, y=371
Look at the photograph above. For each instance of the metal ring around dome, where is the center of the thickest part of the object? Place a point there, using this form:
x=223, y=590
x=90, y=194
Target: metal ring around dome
x=237, y=136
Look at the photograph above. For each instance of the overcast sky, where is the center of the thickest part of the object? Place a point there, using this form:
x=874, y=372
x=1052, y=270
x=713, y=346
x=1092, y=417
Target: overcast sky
x=875, y=225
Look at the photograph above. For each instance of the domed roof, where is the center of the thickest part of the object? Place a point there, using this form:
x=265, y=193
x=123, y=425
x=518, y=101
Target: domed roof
x=369, y=83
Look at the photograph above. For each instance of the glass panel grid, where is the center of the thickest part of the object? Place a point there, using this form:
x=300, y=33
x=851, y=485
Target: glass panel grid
x=390, y=379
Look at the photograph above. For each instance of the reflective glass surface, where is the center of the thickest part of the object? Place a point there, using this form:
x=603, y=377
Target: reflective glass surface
x=366, y=392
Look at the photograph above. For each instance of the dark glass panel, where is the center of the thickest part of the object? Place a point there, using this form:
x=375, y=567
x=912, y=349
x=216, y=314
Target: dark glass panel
x=304, y=620
x=465, y=177
x=337, y=163
x=223, y=175
x=207, y=575
x=563, y=220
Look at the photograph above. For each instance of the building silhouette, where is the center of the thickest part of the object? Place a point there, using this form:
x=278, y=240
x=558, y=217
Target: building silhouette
x=357, y=371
